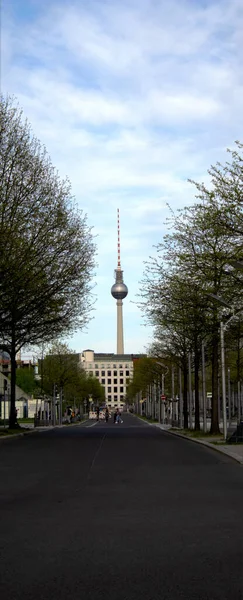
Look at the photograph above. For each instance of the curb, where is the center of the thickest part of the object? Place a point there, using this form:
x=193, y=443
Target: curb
x=202, y=442
x=13, y=436
x=219, y=449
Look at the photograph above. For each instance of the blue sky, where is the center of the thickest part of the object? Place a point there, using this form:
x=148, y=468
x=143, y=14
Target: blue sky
x=131, y=99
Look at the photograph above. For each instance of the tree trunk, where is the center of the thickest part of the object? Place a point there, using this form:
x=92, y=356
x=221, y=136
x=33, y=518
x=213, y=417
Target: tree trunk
x=197, y=405
x=185, y=404
x=215, y=368
x=12, y=415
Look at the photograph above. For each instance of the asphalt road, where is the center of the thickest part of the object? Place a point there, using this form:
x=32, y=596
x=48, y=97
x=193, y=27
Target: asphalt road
x=120, y=512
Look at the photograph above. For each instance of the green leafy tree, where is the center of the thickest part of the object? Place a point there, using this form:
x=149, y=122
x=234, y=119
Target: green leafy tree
x=174, y=304
x=25, y=379
x=95, y=390
x=146, y=371
x=61, y=367
x=204, y=239
x=46, y=247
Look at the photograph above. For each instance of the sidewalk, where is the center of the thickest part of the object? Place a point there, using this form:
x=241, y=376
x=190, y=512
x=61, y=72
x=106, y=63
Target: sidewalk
x=235, y=451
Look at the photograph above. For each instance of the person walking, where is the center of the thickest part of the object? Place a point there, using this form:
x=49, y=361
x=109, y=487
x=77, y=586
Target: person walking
x=98, y=413
x=107, y=414
x=118, y=417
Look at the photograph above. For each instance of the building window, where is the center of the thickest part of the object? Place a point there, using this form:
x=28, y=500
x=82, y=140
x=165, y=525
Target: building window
x=121, y=373
x=120, y=367
x=126, y=366
x=109, y=381
x=97, y=373
x=108, y=366
x=96, y=366
x=102, y=373
x=115, y=373
x=90, y=373
x=121, y=397
x=121, y=380
x=114, y=366
x=109, y=390
x=109, y=373
x=115, y=389
x=121, y=388
x=127, y=373
x=115, y=380
x=103, y=381
x=102, y=366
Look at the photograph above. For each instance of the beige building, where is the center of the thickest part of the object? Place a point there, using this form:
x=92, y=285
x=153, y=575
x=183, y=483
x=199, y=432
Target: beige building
x=113, y=372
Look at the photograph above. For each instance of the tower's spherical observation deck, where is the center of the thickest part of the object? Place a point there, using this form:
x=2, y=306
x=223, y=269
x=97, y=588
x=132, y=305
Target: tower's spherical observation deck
x=119, y=291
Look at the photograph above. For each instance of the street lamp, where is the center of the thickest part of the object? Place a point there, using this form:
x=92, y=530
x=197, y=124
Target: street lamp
x=223, y=327
x=161, y=364
x=155, y=395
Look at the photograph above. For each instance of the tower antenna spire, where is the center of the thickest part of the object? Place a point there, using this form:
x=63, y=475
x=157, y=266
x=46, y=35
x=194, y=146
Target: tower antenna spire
x=118, y=241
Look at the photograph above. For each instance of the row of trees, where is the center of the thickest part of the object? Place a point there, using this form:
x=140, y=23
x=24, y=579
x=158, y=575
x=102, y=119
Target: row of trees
x=47, y=253
x=193, y=264
x=146, y=371
x=60, y=367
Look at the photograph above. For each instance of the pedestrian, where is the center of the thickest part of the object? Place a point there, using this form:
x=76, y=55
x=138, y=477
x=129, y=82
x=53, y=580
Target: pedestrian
x=98, y=413
x=107, y=414
x=119, y=419
x=118, y=416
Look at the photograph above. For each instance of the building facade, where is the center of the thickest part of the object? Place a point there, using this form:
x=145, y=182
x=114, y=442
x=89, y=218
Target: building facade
x=22, y=398
x=113, y=372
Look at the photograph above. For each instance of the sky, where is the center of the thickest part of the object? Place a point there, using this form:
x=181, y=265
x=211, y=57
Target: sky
x=131, y=99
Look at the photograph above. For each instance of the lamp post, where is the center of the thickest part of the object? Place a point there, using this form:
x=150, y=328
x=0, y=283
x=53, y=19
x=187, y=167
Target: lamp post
x=223, y=327
x=162, y=389
x=153, y=392
x=190, y=389
x=204, y=390
x=222, y=330
x=181, y=398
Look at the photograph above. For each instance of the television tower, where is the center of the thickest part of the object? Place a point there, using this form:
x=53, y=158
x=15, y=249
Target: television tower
x=119, y=291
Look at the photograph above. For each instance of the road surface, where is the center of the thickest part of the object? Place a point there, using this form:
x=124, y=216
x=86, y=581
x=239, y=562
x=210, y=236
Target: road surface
x=120, y=512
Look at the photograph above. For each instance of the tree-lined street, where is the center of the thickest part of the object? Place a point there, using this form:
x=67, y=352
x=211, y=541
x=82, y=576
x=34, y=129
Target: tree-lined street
x=123, y=512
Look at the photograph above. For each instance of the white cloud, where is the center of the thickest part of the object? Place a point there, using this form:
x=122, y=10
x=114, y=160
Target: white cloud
x=131, y=98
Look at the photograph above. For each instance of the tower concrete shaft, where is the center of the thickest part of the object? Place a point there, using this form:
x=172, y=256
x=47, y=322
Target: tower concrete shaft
x=120, y=340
